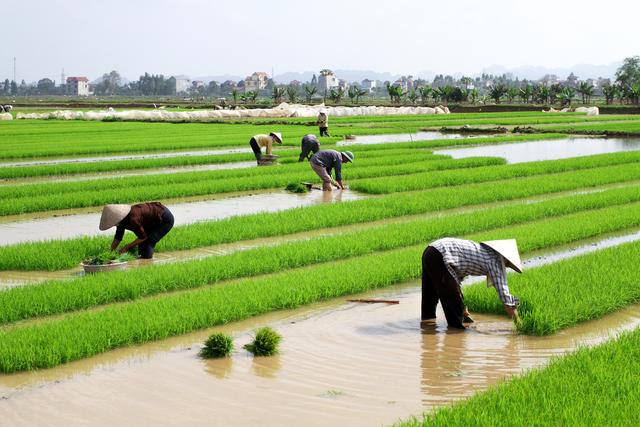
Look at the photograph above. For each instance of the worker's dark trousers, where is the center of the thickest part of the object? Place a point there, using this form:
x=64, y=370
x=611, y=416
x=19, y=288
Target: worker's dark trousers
x=437, y=284
x=307, y=148
x=256, y=148
x=324, y=131
x=148, y=247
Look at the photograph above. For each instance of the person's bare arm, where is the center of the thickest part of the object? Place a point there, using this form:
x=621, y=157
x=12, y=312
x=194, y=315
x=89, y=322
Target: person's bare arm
x=511, y=311
x=115, y=244
x=127, y=248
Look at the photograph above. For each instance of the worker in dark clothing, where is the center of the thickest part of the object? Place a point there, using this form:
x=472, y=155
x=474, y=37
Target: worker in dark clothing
x=324, y=161
x=446, y=262
x=150, y=222
x=310, y=144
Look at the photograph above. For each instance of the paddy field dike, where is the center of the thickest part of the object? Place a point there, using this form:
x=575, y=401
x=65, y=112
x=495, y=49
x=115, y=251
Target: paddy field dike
x=244, y=254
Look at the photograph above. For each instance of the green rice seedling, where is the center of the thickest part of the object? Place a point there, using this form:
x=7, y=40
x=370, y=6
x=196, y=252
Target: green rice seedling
x=296, y=187
x=577, y=217
x=216, y=346
x=596, y=384
x=571, y=291
x=40, y=255
x=265, y=342
x=420, y=181
x=108, y=257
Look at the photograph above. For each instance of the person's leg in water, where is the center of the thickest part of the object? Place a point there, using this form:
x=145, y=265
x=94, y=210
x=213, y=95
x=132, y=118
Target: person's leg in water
x=439, y=281
x=256, y=149
x=324, y=176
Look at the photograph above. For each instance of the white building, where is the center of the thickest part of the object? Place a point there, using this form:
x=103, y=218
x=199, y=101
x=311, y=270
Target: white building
x=369, y=85
x=183, y=83
x=327, y=81
x=78, y=86
x=256, y=81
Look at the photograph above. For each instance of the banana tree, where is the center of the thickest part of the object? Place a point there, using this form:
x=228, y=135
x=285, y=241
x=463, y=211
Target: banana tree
x=445, y=93
x=336, y=95
x=526, y=93
x=309, y=91
x=565, y=96
x=512, y=93
x=292, y=93
x=585, y=89
x=352, y=93
x=360, y=93
x=425, y=92
x=277, y=94
x=609, y=92
x=413, y=96
x=496, y=92
x=235, y=95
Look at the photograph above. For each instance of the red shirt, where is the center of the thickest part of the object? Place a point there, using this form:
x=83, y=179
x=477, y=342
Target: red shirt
x=142, y=218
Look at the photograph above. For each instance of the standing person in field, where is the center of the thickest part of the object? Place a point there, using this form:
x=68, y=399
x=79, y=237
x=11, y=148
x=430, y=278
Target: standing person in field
x=446, y=262
x=326, y=160
x=323, y=123
x=310, y=144
x=259, y=141
x=150, y=222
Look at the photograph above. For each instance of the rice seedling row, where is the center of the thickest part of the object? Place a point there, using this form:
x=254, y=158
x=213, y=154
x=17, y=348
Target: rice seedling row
x=60, y=296
x=592, y=385
x=61, y=254
x=141, y=188
x=83, y=334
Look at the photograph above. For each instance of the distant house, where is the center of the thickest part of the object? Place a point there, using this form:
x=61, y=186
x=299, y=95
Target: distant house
x=256, y=81
x=197, y=84
x=327, y=81
x=78, y=86
x=369, y=85
x=183, y=83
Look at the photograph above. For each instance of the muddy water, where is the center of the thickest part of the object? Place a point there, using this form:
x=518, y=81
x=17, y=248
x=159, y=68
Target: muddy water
x=547, y=150
x=80, y=159
x=160, y=171
x=68, y=226
x=401, y=137
x=340, y=364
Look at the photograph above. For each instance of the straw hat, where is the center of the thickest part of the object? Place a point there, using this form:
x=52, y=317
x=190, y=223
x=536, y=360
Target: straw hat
x=509, y=251
x=112, y=215
x=348, y=155
x=277, y=135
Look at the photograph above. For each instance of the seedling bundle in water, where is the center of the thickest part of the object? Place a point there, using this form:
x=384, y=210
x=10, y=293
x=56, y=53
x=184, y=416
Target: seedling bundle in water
x=216, y=346
x=265, y=343
x=296, y=187
x=108, y=257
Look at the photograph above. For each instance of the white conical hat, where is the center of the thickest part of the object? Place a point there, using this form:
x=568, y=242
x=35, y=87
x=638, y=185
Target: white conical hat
x=112, y=215
x=278, y=135
x=509, y=251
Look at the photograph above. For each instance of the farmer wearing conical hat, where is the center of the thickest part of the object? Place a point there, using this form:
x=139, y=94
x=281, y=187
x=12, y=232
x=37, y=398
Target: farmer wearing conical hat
x=150, y=222
x=259, y=141
x=446, y=262
x=323, y=123
x=324, y=161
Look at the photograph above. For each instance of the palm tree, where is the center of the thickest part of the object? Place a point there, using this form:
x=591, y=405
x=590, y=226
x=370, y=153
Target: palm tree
x=609, y=91
x=565, y=96
x=526, y=93
x=277, y=94
x=512, y=93
x=585, y=89
x=309, y=91
x=292, y=93
x=496, y=92
x=425, y=91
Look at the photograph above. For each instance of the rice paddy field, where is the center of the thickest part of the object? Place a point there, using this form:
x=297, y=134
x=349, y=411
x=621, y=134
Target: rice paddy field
x=245, y=254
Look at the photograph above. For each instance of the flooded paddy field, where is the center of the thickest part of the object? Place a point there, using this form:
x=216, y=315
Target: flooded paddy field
x=340, y=362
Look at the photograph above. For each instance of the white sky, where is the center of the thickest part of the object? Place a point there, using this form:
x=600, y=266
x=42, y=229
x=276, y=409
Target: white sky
x=199, y=37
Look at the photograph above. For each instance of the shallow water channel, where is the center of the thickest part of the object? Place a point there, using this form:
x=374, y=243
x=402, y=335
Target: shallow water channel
x=86, y=224
x=547, y=149
x=403, y=137
x=341, y=363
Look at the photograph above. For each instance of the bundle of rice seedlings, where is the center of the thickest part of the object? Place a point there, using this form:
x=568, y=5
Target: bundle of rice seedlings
x=265, y=343
x=296, y=187
x=217, y=345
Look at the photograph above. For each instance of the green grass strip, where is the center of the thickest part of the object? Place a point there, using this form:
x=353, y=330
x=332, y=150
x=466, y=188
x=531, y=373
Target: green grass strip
x=572, y=291
x=84, y=334
x=421, y=181
x=64, y=295
x=596, y=386
x=60, y=254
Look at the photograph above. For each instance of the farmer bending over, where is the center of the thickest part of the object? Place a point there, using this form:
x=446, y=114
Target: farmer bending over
x=324, y=161
x=150, y=222
x=310, y=144
x=446, y=262
x=259, y=141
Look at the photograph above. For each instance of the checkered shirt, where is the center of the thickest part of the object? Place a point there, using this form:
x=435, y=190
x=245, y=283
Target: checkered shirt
x=467, y=258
